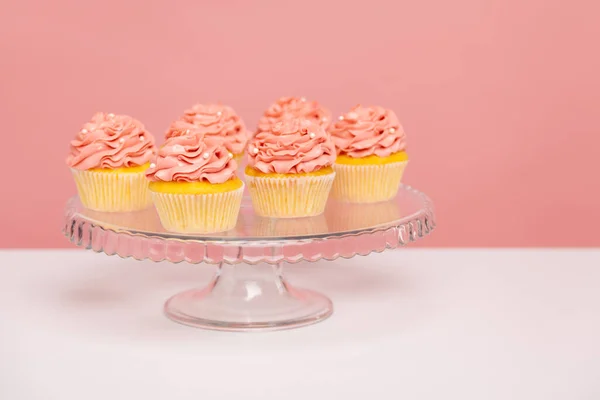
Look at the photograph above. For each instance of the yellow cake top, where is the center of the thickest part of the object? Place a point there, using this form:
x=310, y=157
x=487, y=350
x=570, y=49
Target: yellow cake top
x=199, y=187
x=254, y=172
x=372, y=159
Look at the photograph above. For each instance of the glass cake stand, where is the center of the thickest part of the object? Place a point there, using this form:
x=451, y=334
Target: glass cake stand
x=249, y=291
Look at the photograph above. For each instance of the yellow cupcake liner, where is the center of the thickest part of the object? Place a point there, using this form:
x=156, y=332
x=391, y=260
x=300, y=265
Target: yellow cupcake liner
x=241, y=161
x=238, y=157
x=367, y=183
x=289, y=197
x=112, y=191
x=198, y=213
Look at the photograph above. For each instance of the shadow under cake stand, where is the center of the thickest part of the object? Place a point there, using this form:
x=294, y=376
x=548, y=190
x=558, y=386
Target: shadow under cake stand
x=249, y=291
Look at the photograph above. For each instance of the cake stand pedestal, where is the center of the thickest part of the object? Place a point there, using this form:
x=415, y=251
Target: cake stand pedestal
x=249, y=291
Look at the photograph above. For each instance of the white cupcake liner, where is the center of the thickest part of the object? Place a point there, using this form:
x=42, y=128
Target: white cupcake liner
x=368, y=183
x=112, y=191
x=289, y=197
x=198, y=213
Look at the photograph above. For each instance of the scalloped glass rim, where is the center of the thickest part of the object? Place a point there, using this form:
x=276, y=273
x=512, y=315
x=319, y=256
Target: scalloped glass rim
x=345, y=230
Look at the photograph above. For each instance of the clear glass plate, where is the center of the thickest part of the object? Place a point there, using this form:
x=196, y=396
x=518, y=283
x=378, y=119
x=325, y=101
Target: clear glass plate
x=249, y=291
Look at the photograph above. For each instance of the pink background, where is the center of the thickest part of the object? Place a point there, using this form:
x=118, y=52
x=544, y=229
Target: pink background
x=500, y=98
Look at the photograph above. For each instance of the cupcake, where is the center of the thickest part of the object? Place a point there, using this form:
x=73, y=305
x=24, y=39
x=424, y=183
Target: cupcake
x=289, y=172
x=194, y=186
x=108, y=159
x=371, y=159
x=214, y=121
x=181, y=128
x=294, y=107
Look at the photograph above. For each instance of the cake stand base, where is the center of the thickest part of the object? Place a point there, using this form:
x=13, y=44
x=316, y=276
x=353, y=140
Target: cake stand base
x=247, y=297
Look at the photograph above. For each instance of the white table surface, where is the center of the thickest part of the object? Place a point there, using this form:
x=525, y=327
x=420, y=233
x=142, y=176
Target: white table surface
x=408, y=324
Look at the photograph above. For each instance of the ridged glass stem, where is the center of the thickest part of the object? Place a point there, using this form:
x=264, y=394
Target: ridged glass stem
x=246, y=283
x=245, y=297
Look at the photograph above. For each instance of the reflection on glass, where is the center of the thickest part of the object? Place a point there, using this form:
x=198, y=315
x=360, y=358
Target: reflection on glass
x=354, y=216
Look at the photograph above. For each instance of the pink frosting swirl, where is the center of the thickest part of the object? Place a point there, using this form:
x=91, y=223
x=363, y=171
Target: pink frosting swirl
x=190, y=159
x=291, y=146
x=214, y=120
x=111, y=141
x=364, y=131
x=181, y=128
x=294, y=107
